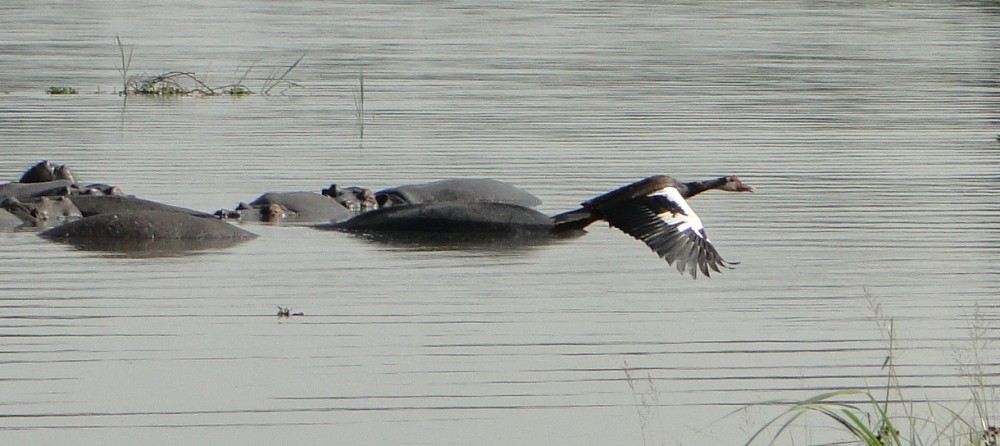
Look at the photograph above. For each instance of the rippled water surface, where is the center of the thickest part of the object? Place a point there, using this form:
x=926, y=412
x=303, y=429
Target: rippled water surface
x=868, y=128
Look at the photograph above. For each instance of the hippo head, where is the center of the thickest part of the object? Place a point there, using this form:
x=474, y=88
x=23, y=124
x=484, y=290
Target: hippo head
x=63, y=173
x=39, y=173
x=273, y=213
x=354, y=198
x=102, y=189
x=54, y=209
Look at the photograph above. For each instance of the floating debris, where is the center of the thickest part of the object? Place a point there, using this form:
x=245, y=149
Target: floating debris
x=286, y=313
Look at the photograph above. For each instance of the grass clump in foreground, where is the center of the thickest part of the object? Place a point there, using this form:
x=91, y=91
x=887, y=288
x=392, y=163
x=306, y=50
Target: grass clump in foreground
x=647, y=403
x=873, y=422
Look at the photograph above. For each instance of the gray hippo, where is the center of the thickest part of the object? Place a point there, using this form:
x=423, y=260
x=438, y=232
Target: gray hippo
x=354, y=198
x=653, y=210
x=103, y=204
x=44, y=211
x=148, y=233
x=29, y=191
x=481, y=218
x=148, y=225
x=301, y=207
x=46, y=180
x=458, y=190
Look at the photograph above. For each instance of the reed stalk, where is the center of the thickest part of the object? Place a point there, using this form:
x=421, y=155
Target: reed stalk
x=126, y=63
x=359, y=103
x=647, y=404
x=274, y=80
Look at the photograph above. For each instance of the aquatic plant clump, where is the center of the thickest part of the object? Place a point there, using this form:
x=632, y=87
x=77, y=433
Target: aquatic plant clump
x=286, y=313
x=184, y=83
x=237, y=90
x=60, y=90
x=170, y=84
x=179, y=83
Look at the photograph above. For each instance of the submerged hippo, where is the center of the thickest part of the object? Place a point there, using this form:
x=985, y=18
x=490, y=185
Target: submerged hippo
x=148, y=225
x=301, y=207
x=148, y=233
x=44, y=211
x=55, y=210
x=654, y=211
x=457, y=190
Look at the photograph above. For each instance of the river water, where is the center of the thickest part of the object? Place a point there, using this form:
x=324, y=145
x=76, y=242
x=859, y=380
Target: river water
x=868, y=128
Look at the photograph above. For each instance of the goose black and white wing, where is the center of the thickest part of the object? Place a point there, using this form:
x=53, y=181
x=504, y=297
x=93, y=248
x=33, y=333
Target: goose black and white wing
x=665, y=222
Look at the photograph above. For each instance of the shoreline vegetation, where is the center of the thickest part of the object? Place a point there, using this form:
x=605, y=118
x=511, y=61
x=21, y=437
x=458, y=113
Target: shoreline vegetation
x=889, y=417
x=883, y=416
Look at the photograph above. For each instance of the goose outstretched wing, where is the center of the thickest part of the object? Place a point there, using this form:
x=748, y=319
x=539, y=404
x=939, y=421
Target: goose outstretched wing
x=664, y=222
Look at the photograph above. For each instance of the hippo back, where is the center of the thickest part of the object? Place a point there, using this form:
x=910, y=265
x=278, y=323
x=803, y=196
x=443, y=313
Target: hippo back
x=147, y=225
x=104, y=204
x=304, y=206
x=479, y=218
x=457, y=190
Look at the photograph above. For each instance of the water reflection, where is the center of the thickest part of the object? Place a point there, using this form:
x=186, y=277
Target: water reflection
x=145, y=248
x=472, y=242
